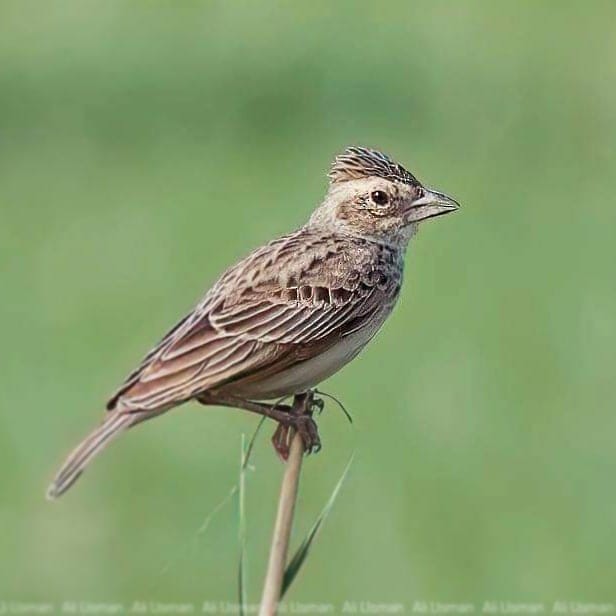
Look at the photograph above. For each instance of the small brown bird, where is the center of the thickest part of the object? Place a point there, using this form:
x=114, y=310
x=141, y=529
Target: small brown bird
x=286, y=317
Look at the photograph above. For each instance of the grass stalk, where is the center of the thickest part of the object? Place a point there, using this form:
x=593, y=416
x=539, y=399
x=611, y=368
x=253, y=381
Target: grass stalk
x=274, y=577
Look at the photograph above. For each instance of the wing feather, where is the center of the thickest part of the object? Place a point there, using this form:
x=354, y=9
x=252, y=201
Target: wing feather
x=203, y=354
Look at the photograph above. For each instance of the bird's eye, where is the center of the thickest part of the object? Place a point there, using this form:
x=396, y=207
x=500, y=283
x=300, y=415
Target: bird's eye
x=379, y=197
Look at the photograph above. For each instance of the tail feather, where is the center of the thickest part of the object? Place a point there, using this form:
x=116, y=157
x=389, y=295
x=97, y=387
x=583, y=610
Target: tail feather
x=74, y=465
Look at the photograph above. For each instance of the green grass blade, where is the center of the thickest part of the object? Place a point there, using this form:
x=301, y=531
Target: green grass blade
x=251, y=443
x=300, y=555
x=241, y=577
x=246, y=451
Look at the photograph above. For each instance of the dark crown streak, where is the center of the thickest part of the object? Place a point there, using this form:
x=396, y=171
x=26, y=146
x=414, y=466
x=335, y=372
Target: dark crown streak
x=356, y=163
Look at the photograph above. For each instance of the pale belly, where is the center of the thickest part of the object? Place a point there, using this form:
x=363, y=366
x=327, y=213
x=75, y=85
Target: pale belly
x=311, y=372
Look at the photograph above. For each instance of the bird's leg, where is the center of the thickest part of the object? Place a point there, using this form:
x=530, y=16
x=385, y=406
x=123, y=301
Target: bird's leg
x=290, y=419
x=278, y=412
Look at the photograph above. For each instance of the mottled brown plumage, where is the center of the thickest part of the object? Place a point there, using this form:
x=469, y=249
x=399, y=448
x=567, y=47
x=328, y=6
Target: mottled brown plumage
x=286, y=302
x=291, y=313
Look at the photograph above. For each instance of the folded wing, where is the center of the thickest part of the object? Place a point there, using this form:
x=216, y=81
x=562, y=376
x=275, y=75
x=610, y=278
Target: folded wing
x=258, y=318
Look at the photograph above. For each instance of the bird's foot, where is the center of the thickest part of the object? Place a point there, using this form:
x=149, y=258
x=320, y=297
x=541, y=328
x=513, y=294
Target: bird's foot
x=299, y=420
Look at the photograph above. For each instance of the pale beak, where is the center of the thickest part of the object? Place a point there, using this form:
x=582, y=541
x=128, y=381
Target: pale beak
x=432, y=203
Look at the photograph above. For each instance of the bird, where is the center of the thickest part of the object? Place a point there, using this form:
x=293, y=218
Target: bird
x=287, y=316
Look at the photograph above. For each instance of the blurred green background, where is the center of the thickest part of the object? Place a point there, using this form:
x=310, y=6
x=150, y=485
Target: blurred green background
x=147, y=145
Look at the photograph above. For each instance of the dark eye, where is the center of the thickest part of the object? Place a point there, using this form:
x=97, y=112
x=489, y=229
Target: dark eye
x=380, y=197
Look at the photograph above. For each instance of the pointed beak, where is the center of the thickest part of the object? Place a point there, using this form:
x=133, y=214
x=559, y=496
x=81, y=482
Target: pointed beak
x=431, y=204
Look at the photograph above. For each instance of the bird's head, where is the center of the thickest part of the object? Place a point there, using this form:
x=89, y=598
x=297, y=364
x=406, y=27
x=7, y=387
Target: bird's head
x=374, y=197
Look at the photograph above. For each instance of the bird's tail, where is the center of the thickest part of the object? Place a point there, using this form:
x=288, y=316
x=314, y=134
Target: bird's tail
x=114, y=425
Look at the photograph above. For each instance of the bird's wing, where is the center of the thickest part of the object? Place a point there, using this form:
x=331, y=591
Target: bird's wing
x=284, y=303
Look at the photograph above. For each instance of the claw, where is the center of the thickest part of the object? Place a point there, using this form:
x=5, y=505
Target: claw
x=307, y=430
x=299, y=419
x=317, y=406
x=309, y=433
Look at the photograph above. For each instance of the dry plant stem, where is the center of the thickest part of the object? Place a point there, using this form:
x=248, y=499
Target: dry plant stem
x=282, y=528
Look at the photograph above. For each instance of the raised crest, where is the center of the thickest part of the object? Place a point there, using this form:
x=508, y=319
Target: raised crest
x=357, y=162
